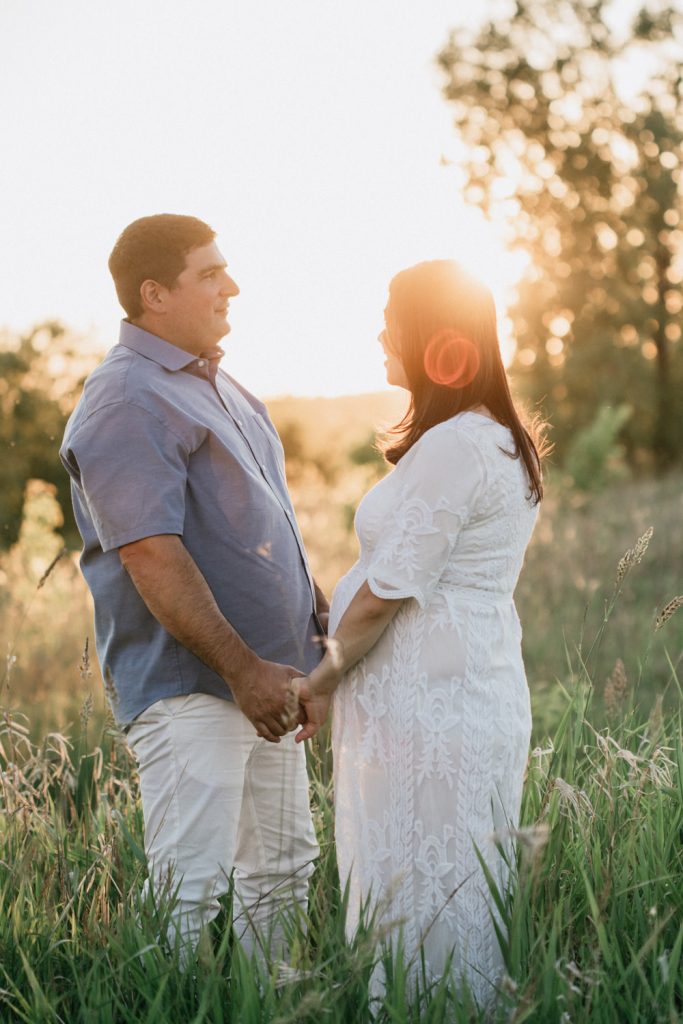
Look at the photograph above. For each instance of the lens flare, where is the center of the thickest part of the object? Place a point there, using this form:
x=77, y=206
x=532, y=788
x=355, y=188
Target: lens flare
x=451, y=359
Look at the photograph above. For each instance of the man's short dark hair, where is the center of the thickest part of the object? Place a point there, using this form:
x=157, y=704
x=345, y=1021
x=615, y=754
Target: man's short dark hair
x=154, y=248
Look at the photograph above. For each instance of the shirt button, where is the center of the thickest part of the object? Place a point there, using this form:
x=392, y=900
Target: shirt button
x=289, y=513
x=202, y=362
x=238, y=422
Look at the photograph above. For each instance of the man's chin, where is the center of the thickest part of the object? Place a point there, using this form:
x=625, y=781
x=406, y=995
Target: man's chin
x=219, y=333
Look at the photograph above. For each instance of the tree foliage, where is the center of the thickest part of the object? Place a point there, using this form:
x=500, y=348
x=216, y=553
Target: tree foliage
x=40, y=376
x=594, y=457
x=572, y=131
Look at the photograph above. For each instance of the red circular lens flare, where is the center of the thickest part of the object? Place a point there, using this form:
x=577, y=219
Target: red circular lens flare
x=451, y=359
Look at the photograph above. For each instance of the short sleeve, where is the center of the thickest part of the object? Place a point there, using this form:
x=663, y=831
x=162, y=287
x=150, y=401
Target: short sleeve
x=438, y=489
x=132, y=472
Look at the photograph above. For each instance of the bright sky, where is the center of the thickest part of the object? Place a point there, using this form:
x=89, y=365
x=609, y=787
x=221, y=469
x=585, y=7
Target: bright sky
x=308, y=133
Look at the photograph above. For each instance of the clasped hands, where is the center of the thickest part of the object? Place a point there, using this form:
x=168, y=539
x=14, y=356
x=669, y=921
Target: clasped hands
x=279, y=699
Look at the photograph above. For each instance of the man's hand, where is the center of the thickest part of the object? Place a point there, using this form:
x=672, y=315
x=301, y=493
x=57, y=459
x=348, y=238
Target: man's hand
x=269, y=697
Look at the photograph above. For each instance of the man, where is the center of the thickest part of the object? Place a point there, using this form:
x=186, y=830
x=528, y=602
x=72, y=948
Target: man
x=205, y=609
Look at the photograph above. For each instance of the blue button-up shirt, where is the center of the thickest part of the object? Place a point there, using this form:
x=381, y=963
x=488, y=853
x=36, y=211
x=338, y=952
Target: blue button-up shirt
x=161, y=443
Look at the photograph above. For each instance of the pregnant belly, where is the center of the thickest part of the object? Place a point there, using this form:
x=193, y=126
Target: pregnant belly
x=343, y=595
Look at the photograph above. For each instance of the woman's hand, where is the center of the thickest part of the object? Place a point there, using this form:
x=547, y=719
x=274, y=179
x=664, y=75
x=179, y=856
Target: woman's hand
x=315, y=693
x=316, y=707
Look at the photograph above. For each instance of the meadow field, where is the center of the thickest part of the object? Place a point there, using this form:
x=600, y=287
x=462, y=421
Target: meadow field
x=566, y=586
x=595, y=917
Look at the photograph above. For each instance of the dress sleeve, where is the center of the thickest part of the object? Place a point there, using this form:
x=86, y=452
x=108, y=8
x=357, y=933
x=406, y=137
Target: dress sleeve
x=132, y=473
x=439, y=487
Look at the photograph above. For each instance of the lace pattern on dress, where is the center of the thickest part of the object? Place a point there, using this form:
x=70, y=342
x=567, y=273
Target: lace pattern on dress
x=431, y=729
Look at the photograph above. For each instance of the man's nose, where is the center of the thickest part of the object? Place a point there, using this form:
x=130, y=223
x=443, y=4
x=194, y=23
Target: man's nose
x=230, y=286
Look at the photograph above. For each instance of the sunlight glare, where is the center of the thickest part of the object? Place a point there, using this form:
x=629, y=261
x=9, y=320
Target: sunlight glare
x=484, y=255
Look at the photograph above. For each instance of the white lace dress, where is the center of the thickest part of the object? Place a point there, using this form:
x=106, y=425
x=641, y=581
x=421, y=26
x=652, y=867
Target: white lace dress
x=431, y=729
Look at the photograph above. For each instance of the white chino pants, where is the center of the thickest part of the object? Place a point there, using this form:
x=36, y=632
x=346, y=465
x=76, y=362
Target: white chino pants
x=217, y=798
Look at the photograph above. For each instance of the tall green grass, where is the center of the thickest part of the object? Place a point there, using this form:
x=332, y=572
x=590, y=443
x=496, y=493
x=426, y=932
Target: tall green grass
x=567, y=588
x=593, y=922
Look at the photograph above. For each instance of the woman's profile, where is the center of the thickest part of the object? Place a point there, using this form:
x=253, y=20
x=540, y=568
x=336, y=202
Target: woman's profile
x=431, y=721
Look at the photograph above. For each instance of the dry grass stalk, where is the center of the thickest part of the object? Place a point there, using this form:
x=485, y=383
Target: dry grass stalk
x=655, y=767
x=86, y=711
x=86, y=674
x=110, y=688
x=58, y=557
x=660, y=769
x=30, y=773
x=634, y=555
x=532, y=839
x=616, y=690
x=668, y=610
x=641, y=545
x=576, y=798
x=655, y=721
x=84, y=664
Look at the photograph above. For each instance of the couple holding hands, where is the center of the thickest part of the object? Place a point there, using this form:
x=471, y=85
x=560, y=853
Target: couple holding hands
x=209, y=622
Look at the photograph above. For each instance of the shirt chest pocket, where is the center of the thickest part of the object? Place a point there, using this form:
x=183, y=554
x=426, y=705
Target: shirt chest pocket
x=265, y=517
x=245, y=463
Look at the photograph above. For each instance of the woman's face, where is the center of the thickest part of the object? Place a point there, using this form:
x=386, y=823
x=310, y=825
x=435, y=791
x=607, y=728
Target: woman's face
x=390, y=340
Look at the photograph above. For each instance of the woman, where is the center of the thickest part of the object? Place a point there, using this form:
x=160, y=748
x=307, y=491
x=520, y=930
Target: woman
x=431, y=717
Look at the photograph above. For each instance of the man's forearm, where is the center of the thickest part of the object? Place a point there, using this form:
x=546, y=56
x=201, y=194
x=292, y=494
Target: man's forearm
x=171, y=585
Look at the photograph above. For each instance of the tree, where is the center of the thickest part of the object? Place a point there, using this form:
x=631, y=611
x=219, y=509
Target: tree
x=40, y=375
x=587, y=182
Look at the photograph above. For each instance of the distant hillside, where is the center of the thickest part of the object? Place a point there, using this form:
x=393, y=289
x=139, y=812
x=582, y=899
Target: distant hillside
x=338, y=423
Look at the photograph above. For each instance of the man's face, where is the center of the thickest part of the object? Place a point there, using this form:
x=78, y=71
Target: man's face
x=196, y=307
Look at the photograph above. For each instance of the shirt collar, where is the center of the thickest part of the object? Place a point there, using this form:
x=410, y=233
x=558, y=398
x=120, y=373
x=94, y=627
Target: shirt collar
x=151, y=346
x=206, y=363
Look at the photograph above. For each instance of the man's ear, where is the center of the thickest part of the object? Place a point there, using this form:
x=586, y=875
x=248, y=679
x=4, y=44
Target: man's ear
x=153, y=296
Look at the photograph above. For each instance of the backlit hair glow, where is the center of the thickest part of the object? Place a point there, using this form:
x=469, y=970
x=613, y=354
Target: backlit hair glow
x=444, y=322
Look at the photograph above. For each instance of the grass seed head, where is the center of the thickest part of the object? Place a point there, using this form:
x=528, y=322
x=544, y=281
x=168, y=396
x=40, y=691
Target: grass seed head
x=86, y=711
x=84, y=664
x=641, y=545
x=625, y=563
x=576, y=798
x=634, y=555
x=616, y=690
x=668, y=610
x=508, y=985
x=532, y=839
x=110, y=687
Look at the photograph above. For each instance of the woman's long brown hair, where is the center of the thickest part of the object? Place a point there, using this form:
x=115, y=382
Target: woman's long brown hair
x=424, y=301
